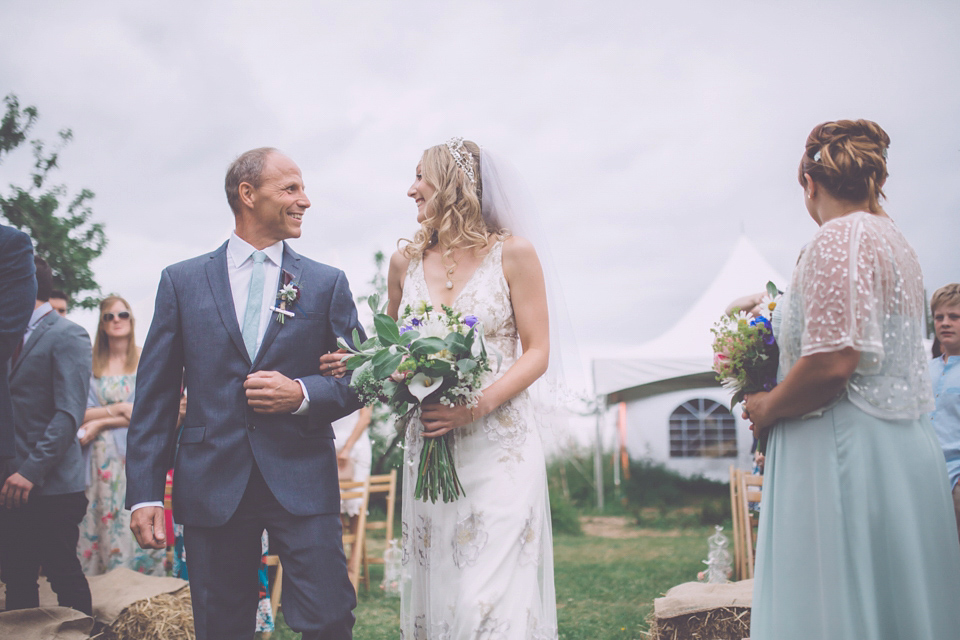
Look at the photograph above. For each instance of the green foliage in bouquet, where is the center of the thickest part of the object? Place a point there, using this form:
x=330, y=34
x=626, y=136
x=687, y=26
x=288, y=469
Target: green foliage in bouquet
x=426, y=357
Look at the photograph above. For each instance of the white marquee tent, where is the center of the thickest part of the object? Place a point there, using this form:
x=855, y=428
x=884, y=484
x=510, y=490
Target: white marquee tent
x=671, y=376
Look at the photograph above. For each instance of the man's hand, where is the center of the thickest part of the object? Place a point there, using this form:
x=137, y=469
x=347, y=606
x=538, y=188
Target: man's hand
x=147, y=524
x=272, y=392
x=15, y=491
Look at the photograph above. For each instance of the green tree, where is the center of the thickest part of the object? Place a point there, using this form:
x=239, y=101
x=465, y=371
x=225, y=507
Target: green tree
x=65, y=237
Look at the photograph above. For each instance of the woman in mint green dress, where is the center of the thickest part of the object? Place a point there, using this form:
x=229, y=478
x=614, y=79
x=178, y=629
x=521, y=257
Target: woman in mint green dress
x=106, y=541
x=856, y=539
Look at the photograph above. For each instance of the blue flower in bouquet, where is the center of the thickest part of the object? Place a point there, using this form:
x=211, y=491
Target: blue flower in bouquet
x=768, y=334
x=470, y=321
x=415, y=322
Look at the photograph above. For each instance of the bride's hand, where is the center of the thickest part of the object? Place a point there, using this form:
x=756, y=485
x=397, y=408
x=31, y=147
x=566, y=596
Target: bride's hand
x=439, y=419
x=331, y=364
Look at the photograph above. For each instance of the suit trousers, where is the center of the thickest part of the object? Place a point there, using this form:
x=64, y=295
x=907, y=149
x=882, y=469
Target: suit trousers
x=43, y=534
x=318, y=598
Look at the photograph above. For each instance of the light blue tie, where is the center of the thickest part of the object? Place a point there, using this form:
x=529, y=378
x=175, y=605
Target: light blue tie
x=251, y=317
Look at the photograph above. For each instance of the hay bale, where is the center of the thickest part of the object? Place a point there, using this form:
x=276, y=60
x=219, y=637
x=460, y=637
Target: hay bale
x=725, y=623
x=168, y=616
x=703, y=611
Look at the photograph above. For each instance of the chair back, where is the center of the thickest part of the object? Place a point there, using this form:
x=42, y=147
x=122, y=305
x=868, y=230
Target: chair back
x=350, y=490
x=387, y=484
x=751, y=491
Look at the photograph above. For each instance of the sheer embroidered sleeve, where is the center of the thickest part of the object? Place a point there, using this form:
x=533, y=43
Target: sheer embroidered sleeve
x=841, y=301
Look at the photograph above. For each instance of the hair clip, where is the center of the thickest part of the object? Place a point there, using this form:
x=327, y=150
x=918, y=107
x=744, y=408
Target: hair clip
x=816, y=156
x=458, y=151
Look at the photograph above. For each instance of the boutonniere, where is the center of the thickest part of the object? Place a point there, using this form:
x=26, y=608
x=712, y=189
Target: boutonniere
x=287, y=296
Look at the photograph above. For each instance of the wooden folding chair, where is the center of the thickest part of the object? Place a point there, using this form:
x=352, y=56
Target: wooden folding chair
x=736, y=511
x=349, y=490
x=387, y=484
x=751, y=490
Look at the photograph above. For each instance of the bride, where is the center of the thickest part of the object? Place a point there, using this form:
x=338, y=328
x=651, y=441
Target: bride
x=482, y=566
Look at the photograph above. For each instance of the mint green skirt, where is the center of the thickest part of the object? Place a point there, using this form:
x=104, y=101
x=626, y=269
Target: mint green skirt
x=857, y=537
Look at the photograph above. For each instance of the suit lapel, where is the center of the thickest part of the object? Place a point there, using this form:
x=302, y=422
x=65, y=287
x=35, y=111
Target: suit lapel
x=219, y=281
x=45, y=323
x=290, y=264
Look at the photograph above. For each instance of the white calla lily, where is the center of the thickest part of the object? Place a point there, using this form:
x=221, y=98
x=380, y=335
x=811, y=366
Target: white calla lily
x=422, y=385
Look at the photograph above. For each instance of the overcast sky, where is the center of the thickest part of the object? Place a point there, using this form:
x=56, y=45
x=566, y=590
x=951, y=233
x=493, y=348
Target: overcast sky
x=650, y=134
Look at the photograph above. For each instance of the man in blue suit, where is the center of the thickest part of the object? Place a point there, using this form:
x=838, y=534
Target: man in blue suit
x=18, y=291
x=256, y=447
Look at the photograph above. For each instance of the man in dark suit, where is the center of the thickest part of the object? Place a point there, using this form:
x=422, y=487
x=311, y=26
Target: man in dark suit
x=256, y=447
x=18, y=291
x=42, y=498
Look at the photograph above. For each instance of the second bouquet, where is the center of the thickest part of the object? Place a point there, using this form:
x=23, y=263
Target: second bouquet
x=425, y=357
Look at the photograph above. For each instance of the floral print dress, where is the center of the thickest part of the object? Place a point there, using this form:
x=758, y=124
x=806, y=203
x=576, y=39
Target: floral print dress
x=106, y=541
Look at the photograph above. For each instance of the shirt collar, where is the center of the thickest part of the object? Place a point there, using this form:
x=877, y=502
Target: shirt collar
x=241, y=250
x=38, y=313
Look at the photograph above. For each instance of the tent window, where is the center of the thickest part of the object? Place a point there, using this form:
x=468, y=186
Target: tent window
x=702, y=428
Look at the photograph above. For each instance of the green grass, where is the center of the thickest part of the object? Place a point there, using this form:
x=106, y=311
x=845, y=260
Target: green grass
x=605, y=586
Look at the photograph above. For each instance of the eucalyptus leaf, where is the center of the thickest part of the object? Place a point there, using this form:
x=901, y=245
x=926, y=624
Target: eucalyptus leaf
x=356, y=337
x=387, y=329
x=355, y=362
x=772, y=290
x=427, y=346
x=457, y=343
x=374, y=302
x=409, y=336
x=387, y=365
x=466, y=365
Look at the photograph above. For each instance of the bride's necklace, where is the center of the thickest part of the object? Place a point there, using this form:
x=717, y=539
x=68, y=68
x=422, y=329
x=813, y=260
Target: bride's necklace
x=449, y=283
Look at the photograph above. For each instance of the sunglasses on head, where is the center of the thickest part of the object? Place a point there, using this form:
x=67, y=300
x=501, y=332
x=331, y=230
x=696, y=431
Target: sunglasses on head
x=123, y=315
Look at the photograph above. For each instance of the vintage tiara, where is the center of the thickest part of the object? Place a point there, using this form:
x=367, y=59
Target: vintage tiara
x=458, y=151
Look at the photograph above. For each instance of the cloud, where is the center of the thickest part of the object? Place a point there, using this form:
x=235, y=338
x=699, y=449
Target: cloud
x=650, y=136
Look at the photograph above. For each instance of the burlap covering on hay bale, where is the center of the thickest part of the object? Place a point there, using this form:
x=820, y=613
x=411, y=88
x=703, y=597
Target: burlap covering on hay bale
x=138, y=607
x=45, y=623
x=698, y=611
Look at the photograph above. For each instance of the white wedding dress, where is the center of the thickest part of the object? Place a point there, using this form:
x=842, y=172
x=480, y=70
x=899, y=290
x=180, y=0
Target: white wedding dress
x=481, y=567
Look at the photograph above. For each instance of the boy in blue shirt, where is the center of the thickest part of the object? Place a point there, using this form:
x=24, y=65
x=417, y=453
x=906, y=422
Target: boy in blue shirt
x=945, y=374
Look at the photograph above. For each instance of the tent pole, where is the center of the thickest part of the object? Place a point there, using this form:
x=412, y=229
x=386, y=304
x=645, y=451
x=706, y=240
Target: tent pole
x=598, y=455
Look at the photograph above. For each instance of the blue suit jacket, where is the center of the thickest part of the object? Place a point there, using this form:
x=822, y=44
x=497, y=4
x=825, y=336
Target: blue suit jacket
x=18, y=294
x=195, y=335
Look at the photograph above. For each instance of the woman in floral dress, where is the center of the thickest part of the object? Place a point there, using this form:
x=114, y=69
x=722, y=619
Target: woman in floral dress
x=105, y=538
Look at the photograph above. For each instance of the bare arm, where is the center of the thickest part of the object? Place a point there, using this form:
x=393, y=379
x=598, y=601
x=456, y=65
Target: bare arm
x=363, y=421
x=811, y=383
x=528, y=293
x=746, y=303
x=395, y=276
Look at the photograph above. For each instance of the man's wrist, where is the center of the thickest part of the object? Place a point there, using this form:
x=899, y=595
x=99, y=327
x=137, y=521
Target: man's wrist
x=305, y=405
x=141, y=505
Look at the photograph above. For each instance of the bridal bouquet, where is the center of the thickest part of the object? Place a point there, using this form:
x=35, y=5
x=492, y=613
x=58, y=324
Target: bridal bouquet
x=745, y=353
x=427, y=356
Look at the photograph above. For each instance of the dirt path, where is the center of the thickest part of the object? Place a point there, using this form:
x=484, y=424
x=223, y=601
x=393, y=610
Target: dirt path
x=620, y=527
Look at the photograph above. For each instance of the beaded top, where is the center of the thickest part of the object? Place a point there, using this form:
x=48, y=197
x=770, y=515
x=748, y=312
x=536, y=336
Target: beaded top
x=859, y=284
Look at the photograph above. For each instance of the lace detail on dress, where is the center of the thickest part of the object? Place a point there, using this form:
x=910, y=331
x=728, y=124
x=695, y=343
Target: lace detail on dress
x=530, y=540
x=470, y=538
x=506, y=427
x=858, y=284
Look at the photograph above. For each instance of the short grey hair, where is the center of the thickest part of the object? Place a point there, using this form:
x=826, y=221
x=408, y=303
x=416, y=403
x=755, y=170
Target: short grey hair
x=248, y=167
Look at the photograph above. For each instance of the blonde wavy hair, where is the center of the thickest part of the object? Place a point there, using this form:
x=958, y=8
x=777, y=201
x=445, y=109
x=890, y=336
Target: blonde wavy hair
x=849, y=159
x=454, y=219
x=101, y=344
